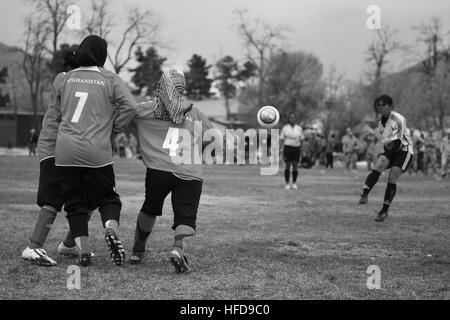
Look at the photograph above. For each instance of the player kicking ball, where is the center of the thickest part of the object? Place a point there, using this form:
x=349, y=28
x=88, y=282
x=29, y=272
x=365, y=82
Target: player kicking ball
x=49, y=196
x=160, y=124
x=91, y=103
x=396, y=156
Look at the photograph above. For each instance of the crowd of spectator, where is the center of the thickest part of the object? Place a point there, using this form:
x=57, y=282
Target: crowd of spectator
x=125, y=145
x=431, y=150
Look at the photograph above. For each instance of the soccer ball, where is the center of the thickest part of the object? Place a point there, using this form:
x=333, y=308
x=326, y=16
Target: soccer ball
x=268, y=117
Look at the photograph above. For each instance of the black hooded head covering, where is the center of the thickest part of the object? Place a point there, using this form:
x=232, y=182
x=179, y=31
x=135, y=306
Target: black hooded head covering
x=91, y=52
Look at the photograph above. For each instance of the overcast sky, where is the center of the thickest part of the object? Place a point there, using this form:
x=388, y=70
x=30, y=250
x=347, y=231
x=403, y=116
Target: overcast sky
x=334, y=30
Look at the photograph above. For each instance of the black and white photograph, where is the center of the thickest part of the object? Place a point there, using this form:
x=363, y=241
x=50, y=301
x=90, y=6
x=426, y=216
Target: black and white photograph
x=227, y=158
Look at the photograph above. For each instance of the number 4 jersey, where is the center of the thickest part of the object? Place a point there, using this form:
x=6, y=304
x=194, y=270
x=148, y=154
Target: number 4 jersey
x=91, y=103
x=171, y=147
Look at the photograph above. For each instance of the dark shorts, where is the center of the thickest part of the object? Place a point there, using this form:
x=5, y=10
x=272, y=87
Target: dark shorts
x=291, y=153
x=86, y=189
x=185, y=196
x=49, y=189
x=400, y=159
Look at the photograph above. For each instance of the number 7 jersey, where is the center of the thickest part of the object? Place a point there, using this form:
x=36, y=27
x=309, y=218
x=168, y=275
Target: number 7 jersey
x=91, y=103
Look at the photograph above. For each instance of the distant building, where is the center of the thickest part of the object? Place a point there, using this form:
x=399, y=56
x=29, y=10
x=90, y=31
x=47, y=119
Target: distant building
x=15, y=128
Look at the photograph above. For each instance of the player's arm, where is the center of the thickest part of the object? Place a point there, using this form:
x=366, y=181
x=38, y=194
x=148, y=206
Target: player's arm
x=52, y=117
x=282, y=137
x=145, y=109
x=125, y=105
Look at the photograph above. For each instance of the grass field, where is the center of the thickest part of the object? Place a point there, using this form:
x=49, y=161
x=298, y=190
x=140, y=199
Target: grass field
x=255, y=240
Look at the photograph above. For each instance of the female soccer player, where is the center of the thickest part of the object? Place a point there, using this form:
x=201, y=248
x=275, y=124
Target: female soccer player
x=396, y=156
x=160, y=124
x=92, y=103
x=291, y=137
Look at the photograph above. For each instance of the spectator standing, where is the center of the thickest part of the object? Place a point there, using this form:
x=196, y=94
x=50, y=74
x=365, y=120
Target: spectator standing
x=32, y=142
x=331, y=147
x=350, y=149
x=430, y=153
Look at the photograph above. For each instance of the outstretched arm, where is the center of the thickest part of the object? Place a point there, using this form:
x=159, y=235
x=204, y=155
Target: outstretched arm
x=125, y=105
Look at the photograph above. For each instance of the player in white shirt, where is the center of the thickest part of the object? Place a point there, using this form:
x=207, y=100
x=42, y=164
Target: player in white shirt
x=291, y=137
x=396, y=156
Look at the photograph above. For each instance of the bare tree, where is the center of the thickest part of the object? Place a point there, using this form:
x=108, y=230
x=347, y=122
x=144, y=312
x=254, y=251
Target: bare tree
x=33, y=63
x=260, y=39
x=334, y=81
x=385, y=43
x=100, y=22
x=17, y=81
x=434, y=55
x=53, y=14
x=142, y=28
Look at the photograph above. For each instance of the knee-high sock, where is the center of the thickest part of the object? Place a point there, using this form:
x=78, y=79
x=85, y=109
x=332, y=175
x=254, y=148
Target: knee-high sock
x=294, y=175
x=42, y=227
x=389, y=195
x=371, y=180
x=144, y=227
x=69, y=241
x=79, y=228
x=182, y=232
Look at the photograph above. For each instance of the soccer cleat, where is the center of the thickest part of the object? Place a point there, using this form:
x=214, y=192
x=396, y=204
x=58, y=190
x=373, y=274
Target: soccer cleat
x=179, y=261
x=66, y=251
x=38, y=256
x=382, y=215
x=294, y=186
x=364, y=199
x=85, y=259
x=287, y=187
x=137, y=257
x=115, y=247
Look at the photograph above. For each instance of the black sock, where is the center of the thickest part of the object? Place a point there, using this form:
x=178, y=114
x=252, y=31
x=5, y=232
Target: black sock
x=389, y=195
x=69, y=241
x=144, y=226
x=286, y=175
x=294, y=176
x=79, y=225
x=371, y=180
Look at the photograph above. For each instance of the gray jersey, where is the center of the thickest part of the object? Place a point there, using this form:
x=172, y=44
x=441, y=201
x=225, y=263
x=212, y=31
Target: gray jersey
x=92, y=103
x=157, y=137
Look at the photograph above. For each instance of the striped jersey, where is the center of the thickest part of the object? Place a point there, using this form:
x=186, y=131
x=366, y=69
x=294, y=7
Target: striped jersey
x=92, y=103
x=395, y=129
x=170, y=147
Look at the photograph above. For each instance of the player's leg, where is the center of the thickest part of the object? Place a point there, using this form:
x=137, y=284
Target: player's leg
x=76, y=206
x=372, y=178
x=185, y=200
x=288, y=164
x=101, y=187
x=294, y=174
x=157, y=186
x=295, y=161
x=68, y=247
x=50, y=199
x=400, y=164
